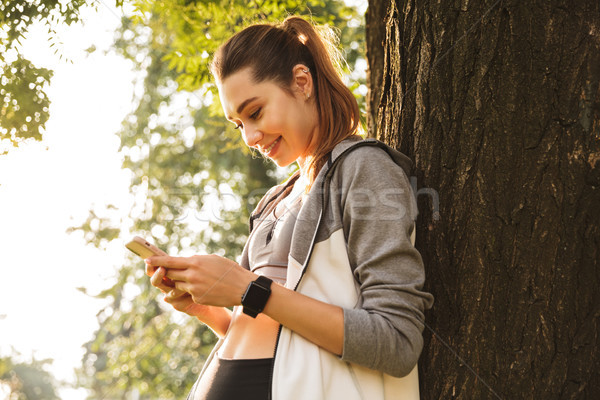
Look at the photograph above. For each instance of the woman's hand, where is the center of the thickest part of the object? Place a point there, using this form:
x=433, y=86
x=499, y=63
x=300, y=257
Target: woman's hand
x=158, y=279
x=182, y=301
x=217, y=281
x=209, y=279
x=179, y=299
x=217, y=318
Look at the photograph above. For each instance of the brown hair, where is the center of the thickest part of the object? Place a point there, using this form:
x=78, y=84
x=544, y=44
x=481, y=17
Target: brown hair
x=272, y=51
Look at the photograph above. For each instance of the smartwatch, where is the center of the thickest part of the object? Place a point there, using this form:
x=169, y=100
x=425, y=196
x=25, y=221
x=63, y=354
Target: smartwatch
x=256, y=296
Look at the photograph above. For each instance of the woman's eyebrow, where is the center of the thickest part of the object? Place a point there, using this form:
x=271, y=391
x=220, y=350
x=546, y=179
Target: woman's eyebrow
x=244, y=104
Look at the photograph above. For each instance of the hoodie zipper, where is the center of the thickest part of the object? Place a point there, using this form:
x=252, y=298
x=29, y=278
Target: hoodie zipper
x=331, y=165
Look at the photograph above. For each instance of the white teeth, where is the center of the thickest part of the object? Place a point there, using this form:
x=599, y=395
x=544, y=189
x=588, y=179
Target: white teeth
x=268, y=149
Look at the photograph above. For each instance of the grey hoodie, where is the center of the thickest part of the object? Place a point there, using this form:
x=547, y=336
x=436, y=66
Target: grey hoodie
x=352, y=246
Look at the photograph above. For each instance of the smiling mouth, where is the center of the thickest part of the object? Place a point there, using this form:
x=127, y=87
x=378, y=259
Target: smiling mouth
x=267, y=150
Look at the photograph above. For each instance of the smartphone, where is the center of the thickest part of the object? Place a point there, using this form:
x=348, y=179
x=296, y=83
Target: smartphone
x=145, y=249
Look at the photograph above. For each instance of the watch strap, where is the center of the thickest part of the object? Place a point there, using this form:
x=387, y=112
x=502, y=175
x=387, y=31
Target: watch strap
x=263, y=281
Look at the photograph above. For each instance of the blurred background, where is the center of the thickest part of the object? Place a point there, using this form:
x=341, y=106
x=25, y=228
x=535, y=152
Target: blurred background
x=110, y=127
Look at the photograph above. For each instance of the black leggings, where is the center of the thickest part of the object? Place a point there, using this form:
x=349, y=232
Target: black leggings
x=234, y=379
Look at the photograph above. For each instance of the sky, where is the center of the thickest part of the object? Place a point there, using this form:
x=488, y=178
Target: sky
x=47, y=187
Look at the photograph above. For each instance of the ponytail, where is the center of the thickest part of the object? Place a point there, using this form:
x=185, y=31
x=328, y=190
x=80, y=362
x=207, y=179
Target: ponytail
x=272, y=51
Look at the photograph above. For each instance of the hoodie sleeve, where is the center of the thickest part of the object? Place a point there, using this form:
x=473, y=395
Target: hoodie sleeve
x=384, y=331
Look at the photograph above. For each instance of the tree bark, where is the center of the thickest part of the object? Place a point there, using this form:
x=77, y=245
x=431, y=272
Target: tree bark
x=375, y=36
x=498, y=104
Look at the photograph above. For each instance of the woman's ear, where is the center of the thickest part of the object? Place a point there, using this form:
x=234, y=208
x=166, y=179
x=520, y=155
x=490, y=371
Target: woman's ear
x=302, y=84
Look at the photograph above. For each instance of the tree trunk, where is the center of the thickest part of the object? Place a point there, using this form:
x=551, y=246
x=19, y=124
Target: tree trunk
x=498, y=104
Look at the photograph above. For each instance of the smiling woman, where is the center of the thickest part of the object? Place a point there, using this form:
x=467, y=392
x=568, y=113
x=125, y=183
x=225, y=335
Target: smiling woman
x=279, y=125
x=329, y=280
x=308, y=73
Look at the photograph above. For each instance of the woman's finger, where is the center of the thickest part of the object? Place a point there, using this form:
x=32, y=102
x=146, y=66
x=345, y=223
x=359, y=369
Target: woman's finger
x=168, y=262
x=150, y=270
x=177, y=275
x=157, y=280
x=181, y=286
x=175, y=294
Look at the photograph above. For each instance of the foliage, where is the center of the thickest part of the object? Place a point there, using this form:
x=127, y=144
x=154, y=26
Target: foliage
x=26, y=381
x=139, y=346
x=193, y=181
x=195, y=35
x=24, y=105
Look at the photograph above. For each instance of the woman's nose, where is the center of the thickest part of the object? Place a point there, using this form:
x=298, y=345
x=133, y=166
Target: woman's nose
x=252, y=136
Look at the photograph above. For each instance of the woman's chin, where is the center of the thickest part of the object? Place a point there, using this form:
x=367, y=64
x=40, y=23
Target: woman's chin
x=283, y=163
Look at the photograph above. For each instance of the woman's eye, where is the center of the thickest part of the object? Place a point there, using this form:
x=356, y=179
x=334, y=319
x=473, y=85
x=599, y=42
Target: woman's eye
x=255, y=114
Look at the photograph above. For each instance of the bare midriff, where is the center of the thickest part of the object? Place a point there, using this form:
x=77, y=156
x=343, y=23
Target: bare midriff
x=249, y=337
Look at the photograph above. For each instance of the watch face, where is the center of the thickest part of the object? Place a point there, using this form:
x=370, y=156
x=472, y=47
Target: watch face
x=256, y=296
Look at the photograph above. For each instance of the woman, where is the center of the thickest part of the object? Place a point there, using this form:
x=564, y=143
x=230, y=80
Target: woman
x=327, y=299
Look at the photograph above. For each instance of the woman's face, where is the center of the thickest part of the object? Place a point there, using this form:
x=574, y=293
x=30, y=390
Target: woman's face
x=281, y=125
